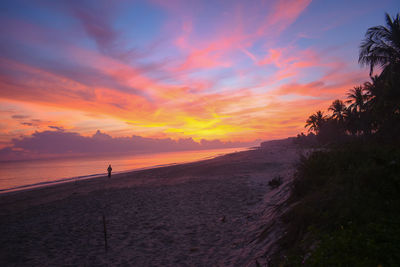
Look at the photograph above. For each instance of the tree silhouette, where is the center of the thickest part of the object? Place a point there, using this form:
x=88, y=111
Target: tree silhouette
x=338, y=109
x=381, y=46
x=372, y=90
x=374, y=107
x=315, y=121
x=357, y=98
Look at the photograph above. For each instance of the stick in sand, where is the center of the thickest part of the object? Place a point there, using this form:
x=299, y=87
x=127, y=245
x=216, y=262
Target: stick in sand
x=105, y=233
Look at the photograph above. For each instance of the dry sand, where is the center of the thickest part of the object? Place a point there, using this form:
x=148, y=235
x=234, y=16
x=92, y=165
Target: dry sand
x=218, y=212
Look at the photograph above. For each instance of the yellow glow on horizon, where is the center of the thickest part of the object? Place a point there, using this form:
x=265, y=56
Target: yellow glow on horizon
x=205, y=128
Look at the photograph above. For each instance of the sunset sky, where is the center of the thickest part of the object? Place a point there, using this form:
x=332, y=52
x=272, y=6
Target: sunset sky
x=228, y=70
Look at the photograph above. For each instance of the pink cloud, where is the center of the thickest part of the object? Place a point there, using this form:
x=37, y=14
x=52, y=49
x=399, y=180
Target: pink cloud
x=284, y=13
x=291, y=57
x=238, y=35
x=209, y=57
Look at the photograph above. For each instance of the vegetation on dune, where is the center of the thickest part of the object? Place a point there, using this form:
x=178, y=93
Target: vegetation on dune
x=345, y=198
x=345, y=208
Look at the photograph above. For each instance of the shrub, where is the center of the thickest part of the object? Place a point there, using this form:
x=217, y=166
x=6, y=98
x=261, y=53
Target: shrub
x=344, y=209
x=275, y=182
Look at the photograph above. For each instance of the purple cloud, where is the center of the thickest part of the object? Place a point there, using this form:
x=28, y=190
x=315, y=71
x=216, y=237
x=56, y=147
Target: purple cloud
x=20, y=116
x=96, y=21
x=64, y=143
x=56, y=128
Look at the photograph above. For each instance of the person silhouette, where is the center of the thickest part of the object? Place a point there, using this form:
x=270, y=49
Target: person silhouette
x=109, y=169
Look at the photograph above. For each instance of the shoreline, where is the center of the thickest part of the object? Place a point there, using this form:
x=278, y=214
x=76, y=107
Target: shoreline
x=100, y=175
x=217, y=211
x=39, y=185
x=120, y=179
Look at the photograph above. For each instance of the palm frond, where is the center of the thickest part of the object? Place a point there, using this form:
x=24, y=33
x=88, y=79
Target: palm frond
x=381, y=46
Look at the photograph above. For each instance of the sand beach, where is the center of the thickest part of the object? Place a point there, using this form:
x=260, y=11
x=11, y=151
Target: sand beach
x=217, y=212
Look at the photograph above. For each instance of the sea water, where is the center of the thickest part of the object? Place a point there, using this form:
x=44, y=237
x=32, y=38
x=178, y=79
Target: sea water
x=18, y=175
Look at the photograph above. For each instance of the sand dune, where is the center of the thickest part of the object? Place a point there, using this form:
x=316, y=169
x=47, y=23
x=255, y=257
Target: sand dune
x=218, y=212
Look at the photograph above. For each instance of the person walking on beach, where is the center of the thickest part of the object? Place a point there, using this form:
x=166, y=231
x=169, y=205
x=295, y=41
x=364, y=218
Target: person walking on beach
x=109, y=169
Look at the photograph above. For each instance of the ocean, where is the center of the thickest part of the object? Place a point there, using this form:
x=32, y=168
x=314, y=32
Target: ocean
x=19, y=175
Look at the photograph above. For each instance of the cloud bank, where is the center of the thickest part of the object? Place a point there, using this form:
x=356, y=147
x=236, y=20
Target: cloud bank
x=62, y=143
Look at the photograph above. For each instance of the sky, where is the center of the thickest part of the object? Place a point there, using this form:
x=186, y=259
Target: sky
x=234, y=71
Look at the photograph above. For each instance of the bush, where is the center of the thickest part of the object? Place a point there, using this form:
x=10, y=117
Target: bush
x=275, y=182
x=344, y=209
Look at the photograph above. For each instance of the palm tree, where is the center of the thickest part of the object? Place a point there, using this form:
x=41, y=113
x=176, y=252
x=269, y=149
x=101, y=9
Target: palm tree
x=338, y=108
x=351, y=123
x=374, y=92
x=315, y=121
x=381, y=46
x=357, y=98
x=371, y=88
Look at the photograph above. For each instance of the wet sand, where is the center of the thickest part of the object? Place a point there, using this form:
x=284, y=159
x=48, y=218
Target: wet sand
x=218, y=212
